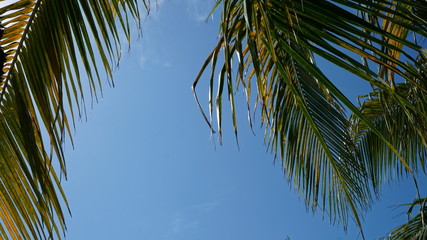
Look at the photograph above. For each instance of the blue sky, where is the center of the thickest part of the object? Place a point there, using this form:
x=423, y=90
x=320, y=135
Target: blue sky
x=145, y=165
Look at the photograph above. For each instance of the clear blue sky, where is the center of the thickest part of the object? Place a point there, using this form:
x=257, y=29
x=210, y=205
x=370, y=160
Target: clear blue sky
x=146, y=167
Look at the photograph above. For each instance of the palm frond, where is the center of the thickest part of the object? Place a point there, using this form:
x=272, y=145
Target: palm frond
x=47, y=44
x=274, y=43
x=403, y=128
x=416, y=227
x=402, y=125
x=305, y=124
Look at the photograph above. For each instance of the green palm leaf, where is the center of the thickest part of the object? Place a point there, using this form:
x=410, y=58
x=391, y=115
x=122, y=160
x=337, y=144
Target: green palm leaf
x=403, y=127
x=275, y=41
x=47, y=44
x=416, y=228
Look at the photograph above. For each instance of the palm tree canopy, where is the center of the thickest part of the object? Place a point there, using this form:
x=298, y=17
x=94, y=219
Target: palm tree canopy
x=48, y=45
x=331, y=158
x=336, y=161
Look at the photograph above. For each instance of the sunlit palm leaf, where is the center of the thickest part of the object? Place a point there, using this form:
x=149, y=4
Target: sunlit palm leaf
x=274, y=41
x=305, y=124
x=48, y=43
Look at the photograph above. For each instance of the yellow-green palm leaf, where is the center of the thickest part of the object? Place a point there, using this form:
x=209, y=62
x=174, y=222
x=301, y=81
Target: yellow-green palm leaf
x=48, y=44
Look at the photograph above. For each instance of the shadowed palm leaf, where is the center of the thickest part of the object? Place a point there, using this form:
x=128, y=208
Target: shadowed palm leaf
x=416, y=228
x=404, y=128
x=48, y=43
x=274, y=43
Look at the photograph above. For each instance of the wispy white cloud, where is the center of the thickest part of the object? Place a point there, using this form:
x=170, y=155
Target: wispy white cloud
x=206, y=207
x=190, y=219
x=167, y=64
x=199, y=9
x=142, y=60
x=180, y=224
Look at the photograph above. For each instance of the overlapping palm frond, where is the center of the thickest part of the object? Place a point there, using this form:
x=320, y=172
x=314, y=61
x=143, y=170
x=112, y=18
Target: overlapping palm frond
x=416, y=228
x=404, y=128
x=274, y=42
x=48, y=44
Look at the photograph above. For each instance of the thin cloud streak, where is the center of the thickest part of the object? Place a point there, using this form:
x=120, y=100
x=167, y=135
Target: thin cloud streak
x=190, y=220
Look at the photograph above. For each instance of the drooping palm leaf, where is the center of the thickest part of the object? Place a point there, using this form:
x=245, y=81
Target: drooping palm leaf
x=404, y=128
x=274, y=41
x=48, y=43
x=416, y=228
x=304, y=121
